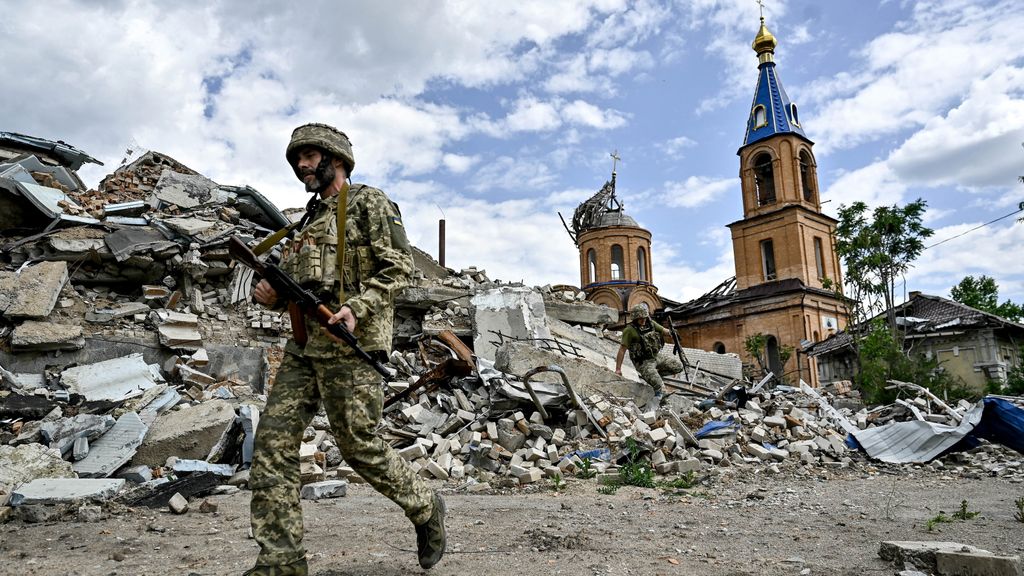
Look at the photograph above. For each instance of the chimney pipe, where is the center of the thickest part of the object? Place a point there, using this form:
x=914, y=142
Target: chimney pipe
x=440, y=241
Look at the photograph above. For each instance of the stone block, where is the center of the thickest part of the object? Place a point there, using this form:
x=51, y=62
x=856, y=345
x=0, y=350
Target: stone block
x=20, y=464
x=63, y=490
x=757, y=451
x=436, y=470
x=325, y=489
x=33, y=336
x=775, y=422
x=924, y=555
x=688, y=465
x=657, y=434
x=530, y=476
x=190, y=433
x=137, y=474
x=178, y=504
x=37, y=290
x=414, y=452
x=976, y=564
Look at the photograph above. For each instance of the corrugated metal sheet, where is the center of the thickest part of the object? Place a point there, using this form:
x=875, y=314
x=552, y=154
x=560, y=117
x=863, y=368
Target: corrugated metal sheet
x=916, y=441
x=115, y=379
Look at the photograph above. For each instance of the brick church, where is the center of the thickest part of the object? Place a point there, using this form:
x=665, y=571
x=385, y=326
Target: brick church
x=783, y=245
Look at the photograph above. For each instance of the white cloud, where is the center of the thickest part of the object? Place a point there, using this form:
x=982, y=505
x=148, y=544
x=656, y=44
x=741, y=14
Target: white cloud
x=459, y=163
x=674, y=147
x=586, y=114
x=697, y=191
x=682, y=280
x=993, y=251
x=874, y=185
x=511, y=174
x=909, y=76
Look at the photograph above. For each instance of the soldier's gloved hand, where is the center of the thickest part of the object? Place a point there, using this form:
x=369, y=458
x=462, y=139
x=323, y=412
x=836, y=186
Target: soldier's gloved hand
x=265, y=294
x=347, y=319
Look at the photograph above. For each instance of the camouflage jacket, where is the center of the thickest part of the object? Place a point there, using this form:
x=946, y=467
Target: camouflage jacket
x=378, y=263
x=643, y=343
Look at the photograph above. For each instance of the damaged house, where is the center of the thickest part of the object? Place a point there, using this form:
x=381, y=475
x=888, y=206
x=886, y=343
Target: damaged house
x=975, y=347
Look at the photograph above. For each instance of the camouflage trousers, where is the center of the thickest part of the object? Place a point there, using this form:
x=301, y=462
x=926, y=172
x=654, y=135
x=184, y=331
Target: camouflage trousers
x=353, y=400
x=652, y=370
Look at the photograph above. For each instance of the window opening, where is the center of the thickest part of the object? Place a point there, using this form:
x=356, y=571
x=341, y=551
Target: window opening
x=764, y=179
x=768, y=260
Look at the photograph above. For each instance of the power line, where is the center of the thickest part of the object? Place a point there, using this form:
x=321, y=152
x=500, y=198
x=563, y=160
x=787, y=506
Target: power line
x=975, y=228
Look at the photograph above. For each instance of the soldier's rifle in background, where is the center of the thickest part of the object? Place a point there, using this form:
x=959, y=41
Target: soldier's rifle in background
x=302, y=300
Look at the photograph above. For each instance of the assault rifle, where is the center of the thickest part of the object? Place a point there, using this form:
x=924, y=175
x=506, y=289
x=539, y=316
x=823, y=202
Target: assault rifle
x=302, y=301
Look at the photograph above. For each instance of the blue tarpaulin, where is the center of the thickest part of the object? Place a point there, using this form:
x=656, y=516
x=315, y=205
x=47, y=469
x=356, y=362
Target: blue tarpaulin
x=715, y=425
x=1001, y=423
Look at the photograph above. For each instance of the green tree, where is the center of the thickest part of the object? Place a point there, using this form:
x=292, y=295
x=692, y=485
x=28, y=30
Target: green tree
x=982, y=293
x=878, y=250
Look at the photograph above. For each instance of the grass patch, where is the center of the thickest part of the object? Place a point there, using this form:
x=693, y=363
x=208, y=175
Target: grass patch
x=684, y=482
x=636, y=472
x=586, y=470
x=963, y=513
x=934, y=521
x=608, y=489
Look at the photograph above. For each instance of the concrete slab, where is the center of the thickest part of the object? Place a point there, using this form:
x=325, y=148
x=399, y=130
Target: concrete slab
x=62, y=490
x=115, y=379
x=33, y=336
x=111, y=313
x=20, y=464
x=586, y=313
x=183, y=190
x=8, y=282
x=188, y=466
x=585, y=376
x=977, y=564
x=920, y=555
x=325, y=489
x=37, y=291
x=114, y=449
x=187, y=433
x=61, y=434
x=514, y=312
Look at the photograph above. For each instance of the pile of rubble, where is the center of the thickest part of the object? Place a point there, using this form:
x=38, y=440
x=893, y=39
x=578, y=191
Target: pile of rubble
x=133, y=365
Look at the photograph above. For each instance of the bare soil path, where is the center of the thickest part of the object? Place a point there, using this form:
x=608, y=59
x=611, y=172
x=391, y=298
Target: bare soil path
x=740, y=524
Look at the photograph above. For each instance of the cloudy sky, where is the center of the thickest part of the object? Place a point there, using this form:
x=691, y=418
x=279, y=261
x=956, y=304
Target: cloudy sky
x=498, y=115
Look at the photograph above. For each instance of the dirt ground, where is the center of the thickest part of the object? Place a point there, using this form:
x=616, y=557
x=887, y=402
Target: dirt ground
x=738, y=524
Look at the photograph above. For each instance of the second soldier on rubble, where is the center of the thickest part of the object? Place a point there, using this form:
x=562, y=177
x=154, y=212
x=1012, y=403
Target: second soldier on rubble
x=644, y=338
x=358, y=270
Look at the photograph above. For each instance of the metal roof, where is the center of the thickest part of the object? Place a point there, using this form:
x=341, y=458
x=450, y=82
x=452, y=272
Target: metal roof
x=70, y=156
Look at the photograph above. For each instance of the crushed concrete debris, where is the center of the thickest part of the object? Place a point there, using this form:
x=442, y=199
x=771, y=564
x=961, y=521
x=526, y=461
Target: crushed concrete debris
x=495, y=384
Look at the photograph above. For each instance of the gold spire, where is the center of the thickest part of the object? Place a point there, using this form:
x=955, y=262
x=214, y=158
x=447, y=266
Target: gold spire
x=764, y=44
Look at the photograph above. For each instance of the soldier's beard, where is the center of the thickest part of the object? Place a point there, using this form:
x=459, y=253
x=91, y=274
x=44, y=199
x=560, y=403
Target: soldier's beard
x=323, y=175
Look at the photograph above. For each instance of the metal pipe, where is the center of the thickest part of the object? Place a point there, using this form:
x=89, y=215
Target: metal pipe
x=440, y=241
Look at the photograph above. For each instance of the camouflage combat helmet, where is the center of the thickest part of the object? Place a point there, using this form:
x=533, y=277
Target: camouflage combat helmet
x=327, y=138
x=637, y=312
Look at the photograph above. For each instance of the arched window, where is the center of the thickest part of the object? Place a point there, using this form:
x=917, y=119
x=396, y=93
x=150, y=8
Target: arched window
x=591, y=266
x=641, y=264
x=617, y=267
x=719, y=348
x=760, y=116
x=794, y=114
x=806, y=178
x=764, y=179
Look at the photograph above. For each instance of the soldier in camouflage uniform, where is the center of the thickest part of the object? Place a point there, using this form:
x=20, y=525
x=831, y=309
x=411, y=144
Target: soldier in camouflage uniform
x=377, y=262
x=644, y=338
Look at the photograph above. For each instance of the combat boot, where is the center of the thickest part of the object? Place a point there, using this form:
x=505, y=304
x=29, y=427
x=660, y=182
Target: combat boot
x=430, y=536
x=294, y=569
